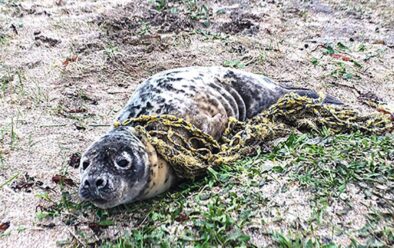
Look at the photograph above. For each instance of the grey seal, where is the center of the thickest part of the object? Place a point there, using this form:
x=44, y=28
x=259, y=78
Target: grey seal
x=120, y=167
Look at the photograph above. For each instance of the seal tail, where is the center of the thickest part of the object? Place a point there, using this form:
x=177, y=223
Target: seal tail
x=313, y=94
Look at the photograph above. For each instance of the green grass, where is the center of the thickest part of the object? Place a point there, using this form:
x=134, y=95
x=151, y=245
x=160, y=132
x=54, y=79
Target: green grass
x=9, y=139
x=341, y=60
x=4, y=40
x=144, y=29
x=209, y=35
x=227, y=206
x=287, y=242
x=159, y=4
x=12, y=83
x=234, y=64
x=111, y=50
x=194, y=9
x=15, y=83
x=328, y=164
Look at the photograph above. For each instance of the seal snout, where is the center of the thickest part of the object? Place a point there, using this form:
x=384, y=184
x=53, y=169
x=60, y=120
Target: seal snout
x=95, y=183
x=93, y=187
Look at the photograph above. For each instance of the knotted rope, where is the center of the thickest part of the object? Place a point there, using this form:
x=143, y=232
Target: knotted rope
x=191, y=152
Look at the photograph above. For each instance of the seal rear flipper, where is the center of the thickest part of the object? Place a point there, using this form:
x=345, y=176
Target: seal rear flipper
x=313, y=94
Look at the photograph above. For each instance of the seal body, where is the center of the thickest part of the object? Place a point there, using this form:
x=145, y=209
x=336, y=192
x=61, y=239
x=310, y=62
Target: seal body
x=207, y=96
x=121, y=167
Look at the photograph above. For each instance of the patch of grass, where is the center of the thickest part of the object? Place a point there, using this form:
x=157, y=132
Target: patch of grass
x=203, y=220
x=342, y=71
x=9, y=180
x=194, y=9
x=340, y=59
x=8, y=136
x=330, y=163
x=4, y=40
x=197, y=11
x=12, y=133
x=284, y=241
x=5, y=234
x=56, y=208
x=21, y=229
x=222, y=208
x=314, y=61
x=378, y=231
x=209, y=35
x=234, y=64
x=39, y=95
x=111, y=50
x=13, y=83
x=144, y=29
x=2, y=159
x=342, y=47
x=159, y=4
x=361, y=48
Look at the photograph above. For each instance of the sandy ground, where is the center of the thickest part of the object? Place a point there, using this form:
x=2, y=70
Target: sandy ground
x=67, y=67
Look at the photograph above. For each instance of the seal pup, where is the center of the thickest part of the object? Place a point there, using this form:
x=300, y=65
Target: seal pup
x=121, y=167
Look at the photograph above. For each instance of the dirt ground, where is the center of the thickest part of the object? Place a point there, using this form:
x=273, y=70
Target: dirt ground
x=67, y=67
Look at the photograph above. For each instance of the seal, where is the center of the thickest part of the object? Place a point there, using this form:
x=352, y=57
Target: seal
x=121, y=167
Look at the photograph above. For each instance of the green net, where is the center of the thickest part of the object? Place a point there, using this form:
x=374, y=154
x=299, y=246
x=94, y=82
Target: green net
x=191, y=152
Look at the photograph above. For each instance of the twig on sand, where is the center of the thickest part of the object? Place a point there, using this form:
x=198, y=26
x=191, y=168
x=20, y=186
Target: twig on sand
x=76, y=237
x=352, y=87
x=99, y=125
x=54, y=125
x=65, y=125
x=9, y=180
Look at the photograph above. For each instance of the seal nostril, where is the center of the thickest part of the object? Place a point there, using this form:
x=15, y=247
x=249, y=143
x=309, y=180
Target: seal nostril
x=85, y=165
x=86, y=183
x=100, y=182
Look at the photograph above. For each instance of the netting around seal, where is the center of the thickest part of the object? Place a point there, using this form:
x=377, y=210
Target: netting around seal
x=191, y=152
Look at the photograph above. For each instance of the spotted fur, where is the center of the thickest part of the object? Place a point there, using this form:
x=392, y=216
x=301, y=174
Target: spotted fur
x=205, y=96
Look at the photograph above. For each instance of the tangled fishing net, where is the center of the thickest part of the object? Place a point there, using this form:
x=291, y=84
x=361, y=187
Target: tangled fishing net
x=191, y=152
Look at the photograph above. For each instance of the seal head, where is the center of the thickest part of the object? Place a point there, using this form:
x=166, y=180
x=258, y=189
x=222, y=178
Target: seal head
x=114, y=169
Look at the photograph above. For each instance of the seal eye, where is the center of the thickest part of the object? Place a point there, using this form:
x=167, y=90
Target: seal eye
x=123, y=163
x=85, y=164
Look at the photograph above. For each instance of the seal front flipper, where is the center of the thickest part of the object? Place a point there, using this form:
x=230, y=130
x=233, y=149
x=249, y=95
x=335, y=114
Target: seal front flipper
x=313, y=94
x=214, y=126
